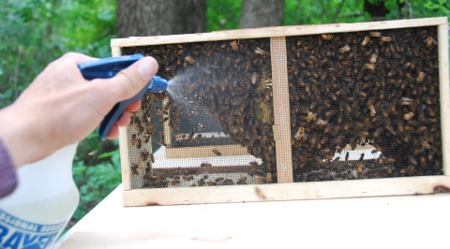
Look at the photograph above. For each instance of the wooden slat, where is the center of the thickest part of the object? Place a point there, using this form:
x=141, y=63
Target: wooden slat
x=444, y=94
x=206, y=151
x=276, y=32
x=124, y=158
x=123, y=143
x=116, y=51
x=285, y=191
x=281, y=110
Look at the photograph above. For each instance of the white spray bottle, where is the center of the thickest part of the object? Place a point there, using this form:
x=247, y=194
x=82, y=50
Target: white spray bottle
x=38, y=210
x=36, y=213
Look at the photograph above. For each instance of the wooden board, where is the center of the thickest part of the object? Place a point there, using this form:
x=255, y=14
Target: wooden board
x=288, y=191
x=206, y=151
x=282, y=127
x=444, y=88
x=276, y=32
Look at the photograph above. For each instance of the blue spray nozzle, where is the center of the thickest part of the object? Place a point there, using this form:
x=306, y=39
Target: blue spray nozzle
x=108, y=68
x=157, y=84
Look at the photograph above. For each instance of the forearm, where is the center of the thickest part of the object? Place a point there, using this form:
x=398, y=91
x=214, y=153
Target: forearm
x=8, y=175
x=20, y=137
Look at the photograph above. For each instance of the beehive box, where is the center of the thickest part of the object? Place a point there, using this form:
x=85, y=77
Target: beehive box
x=296, y=112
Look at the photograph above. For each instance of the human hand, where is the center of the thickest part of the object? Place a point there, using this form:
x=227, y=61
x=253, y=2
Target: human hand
x=60, y=107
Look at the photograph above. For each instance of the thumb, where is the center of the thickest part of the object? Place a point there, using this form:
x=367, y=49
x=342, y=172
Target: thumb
x=128, y=82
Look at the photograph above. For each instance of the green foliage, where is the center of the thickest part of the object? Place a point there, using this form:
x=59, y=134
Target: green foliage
x=33, y=33
x=331, y=11
x=223, y=15
x=326, y=11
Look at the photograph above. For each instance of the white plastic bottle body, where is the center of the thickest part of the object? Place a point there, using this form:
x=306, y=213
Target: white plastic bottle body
x=36, y=213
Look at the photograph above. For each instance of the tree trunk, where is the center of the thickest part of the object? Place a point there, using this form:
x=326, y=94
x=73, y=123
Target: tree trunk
x=261, y=13
x=160, y=17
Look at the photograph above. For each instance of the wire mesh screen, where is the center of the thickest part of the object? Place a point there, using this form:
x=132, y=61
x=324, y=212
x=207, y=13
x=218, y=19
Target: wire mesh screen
x=365, y=104
x=213, y=126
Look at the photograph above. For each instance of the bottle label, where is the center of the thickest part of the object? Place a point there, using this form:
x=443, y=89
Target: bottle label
x=17, y=233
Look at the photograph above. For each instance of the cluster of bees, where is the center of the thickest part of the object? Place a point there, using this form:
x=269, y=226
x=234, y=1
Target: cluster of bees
x=194, y=178
x=378, y=89
x=231, y=82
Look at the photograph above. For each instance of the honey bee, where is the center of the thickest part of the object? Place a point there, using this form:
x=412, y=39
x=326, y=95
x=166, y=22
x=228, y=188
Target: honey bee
x=253, y=163
x=373, y=58
x=420, y=77
x=139, y=143
x=269, y=177
x=327, y=37
x=152, y=158
x=254, y=78
x=369, y=66
x=389, y=160
x=218, y=153
x=134, y=169
x=259, y=51
x=164, y=120
x=311, y=116
x=359, y=168
x=406, y=101
x=189, y=59
x=242, y=180
x=321, y=122
x=228, y=182
x=147, y=137
x=344, y=49
x=385, y=39
x=365, y=41
x=148, y=168
x=201, y=182
x=205, y=165
x=300, y=135
x=198, y=138
x=426, y=145
x=159, y=110
x=429, y=41
x=361, y=158
x=234, y=45
x=188, y=178
x=219, y=179
x=133, y=139
x=375, y=34
x=180, y=136
x=347, y=156
x=175, y=181
x=191, y=136
x=211, y=183
x=260, y=193
x=372, y=110
x=408, y=115
x=144, y=155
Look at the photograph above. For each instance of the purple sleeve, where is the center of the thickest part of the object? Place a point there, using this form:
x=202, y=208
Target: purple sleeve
x=8, y=174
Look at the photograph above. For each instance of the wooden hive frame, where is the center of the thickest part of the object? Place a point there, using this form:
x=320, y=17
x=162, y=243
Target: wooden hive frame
x=286, y=189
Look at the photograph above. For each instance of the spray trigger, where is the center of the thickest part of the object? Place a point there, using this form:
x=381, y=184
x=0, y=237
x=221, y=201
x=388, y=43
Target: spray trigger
x=108, y=68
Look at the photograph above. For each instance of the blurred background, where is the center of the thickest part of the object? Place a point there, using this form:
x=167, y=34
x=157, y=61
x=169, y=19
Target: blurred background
x=36, y=32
